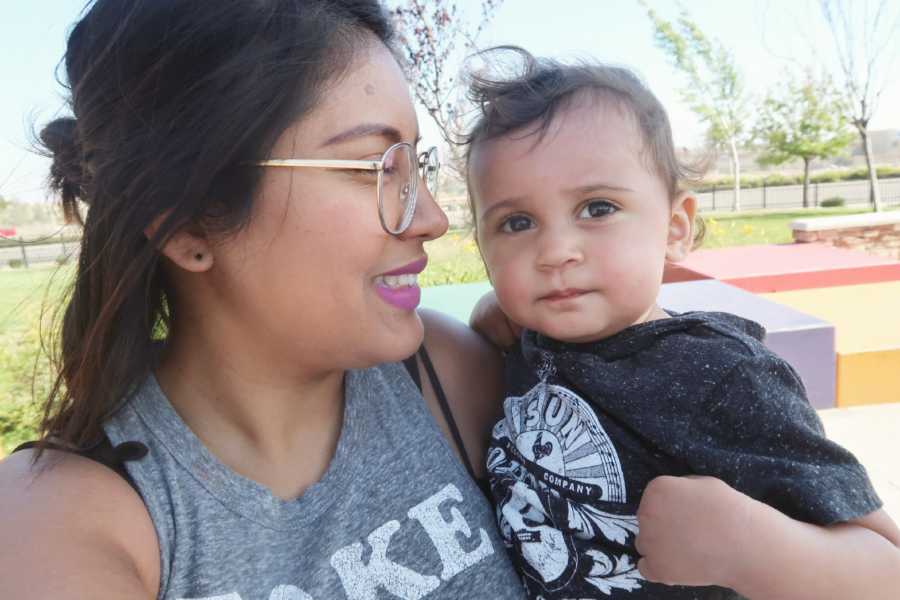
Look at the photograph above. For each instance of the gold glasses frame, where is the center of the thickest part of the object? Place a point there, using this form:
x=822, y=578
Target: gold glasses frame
x=426, y=163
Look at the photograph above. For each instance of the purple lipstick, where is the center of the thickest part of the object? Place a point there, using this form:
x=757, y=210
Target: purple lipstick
x=400, y=287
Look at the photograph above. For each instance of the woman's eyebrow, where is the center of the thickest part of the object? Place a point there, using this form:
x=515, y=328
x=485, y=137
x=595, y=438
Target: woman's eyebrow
x=388, y=132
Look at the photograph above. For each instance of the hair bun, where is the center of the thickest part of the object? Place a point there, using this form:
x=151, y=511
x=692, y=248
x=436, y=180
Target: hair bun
x=67, y=176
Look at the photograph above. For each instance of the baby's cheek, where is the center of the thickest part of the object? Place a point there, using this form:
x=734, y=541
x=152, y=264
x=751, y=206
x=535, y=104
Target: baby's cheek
x=638, y=286
x=512, y=293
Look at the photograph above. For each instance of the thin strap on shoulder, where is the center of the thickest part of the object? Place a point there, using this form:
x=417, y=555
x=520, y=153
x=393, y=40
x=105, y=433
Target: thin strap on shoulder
x=104, y=453
x=413, y=369
x=445, y=409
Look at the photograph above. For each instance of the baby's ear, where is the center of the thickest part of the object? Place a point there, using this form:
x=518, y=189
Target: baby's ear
x=681, y=227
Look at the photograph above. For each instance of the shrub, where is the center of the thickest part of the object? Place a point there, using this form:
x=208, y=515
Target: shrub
x=457, y=270
x=27, y=378
x=832, y=202
x=779, y=179
x=18, y=424
x=16, y=263
x=774, y=179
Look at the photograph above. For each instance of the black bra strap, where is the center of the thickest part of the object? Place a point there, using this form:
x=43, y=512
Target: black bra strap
x=104, y=453
x=413, y=369
x=445, y=408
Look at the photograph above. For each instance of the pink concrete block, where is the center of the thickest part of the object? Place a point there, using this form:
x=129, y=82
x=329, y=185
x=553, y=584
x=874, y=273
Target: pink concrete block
x=784, y=267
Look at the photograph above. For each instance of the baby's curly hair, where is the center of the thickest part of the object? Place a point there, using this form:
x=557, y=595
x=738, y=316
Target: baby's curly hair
x=540, y=87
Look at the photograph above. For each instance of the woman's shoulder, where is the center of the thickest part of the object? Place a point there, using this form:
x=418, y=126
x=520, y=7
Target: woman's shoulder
x=464, y=360
x=81, y=521
x=471, y=372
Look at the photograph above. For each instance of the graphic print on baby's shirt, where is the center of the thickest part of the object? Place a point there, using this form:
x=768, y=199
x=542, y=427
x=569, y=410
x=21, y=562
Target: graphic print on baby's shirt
x=561, y=498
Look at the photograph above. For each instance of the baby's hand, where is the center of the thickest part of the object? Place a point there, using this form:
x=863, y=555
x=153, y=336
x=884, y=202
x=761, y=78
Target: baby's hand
x=490, y=321
x=690, y=530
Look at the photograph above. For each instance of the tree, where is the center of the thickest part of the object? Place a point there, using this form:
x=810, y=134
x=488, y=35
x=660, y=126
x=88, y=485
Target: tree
x=861, y=41
x=434, y=38
x=715, y=87
x=806, y=120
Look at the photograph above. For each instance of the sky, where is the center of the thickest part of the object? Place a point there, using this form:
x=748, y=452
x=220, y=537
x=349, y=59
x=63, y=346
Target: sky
x=766, y=36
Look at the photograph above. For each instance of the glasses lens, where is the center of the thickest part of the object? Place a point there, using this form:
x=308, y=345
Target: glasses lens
x=430, y=168
x=398, y=187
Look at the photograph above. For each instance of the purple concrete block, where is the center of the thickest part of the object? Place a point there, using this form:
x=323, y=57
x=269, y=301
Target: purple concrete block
x=806, y=342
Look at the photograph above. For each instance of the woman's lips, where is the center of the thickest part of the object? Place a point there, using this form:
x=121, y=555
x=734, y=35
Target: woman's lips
x=404, y=298
x=400, y=287
x=417, y=266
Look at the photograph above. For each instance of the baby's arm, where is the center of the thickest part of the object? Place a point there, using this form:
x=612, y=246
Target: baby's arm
x=699, y=531
x=489, y=320
x=757, y=432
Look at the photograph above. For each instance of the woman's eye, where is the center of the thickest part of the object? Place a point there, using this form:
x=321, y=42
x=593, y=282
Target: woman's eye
x=597, y=208
x=515, y=224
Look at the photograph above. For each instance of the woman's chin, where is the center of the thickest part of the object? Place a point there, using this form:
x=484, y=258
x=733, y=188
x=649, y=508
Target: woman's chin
x=402, y=337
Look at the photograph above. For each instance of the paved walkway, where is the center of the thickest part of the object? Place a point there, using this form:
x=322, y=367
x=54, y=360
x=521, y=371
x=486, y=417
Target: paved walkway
x=872, y=433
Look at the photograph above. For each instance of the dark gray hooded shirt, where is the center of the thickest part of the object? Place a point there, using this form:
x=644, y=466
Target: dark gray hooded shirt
x=587, y=426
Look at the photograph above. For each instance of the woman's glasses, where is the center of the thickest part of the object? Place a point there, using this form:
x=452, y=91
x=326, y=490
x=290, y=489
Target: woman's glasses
x=399, y=170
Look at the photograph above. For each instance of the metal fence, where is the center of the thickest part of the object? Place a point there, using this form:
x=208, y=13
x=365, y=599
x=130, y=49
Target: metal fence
x=854, y=193
x=17, y=252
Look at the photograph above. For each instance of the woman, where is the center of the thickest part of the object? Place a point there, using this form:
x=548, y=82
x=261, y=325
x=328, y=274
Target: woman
x=271, y=446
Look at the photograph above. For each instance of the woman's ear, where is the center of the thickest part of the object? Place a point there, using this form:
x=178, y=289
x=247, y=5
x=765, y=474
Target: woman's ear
x=681, y=227
x=188, y=247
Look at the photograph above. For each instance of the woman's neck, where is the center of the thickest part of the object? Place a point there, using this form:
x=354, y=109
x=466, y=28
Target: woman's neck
x=256, y=420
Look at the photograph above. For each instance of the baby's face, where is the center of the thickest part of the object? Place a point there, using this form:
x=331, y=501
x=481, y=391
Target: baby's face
x=575, y=230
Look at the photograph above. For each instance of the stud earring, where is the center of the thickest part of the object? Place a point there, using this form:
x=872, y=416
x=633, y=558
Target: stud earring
x=198, y=256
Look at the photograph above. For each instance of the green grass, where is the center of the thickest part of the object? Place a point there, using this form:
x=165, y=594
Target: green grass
x=453, y=258
x=22, y=291
x=24, y=295
x=724, y=230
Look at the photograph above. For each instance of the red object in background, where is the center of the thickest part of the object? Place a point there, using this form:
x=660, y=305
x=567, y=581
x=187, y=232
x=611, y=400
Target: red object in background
x=784, y=267
x=7, y=231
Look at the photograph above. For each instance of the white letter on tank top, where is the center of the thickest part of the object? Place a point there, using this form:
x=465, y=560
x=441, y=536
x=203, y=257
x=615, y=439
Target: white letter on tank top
x=289, y=592
x=443, y=533
x=362, y=581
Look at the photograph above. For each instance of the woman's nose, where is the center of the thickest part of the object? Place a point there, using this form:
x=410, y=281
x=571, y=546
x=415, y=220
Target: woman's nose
x=429, y=221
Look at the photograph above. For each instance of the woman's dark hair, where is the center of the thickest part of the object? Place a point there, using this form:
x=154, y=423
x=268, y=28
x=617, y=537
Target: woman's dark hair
x=539, y=87
x=169, y=98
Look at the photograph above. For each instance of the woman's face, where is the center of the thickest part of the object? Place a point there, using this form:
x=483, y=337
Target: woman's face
x=304, y=281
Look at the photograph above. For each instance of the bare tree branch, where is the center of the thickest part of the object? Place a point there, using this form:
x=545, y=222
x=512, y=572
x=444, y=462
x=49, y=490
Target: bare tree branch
x=435, y=36
x=862, y=87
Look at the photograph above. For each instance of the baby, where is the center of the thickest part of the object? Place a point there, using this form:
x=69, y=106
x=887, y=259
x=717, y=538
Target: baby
x=575, y=192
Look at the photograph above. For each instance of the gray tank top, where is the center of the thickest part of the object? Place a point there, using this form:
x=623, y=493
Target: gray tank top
x=394, y=516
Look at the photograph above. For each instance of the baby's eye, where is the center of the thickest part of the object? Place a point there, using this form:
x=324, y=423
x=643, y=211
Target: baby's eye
x=597, y=208
x=516, y=223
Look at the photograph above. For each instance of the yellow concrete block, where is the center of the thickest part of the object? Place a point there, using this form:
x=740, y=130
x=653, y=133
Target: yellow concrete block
x=868, y=378
x=867, y=337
